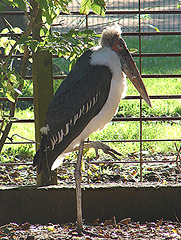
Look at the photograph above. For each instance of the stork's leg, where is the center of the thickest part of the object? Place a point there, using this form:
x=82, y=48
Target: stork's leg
x=78, y=189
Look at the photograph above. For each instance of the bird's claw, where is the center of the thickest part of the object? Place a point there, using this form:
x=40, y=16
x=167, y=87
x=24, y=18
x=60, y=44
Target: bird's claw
x=100, y=145
x=105, y=148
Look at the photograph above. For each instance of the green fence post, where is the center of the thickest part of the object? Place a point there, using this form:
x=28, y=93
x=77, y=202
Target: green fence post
x=42, y=72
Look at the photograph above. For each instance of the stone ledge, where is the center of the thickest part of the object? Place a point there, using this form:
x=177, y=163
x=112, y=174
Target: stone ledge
x=141, y=202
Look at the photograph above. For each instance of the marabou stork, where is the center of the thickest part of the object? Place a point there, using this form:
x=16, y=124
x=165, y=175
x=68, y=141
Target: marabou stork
x=86, y=101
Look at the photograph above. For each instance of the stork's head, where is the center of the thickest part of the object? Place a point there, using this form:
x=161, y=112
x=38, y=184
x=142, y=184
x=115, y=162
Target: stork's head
x=111, y=37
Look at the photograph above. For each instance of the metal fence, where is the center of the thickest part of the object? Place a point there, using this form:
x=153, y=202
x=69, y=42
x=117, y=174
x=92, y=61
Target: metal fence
x=162, y=14
x=139, y=18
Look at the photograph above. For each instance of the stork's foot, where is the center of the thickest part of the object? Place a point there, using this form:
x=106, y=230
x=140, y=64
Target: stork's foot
x=100, y=145
x=105, y=148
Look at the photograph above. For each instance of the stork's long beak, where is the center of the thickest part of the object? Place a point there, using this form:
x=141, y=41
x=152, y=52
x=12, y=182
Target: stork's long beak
x=130, y=69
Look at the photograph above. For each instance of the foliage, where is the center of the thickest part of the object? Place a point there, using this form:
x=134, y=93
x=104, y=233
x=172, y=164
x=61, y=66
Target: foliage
x=179, y=4
x=98, y=6
x=70, y=45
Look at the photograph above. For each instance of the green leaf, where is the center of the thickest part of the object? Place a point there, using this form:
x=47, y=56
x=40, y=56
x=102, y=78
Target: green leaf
x=12, y=78
x=50, y=228
x=156, y=29
x=57, y=34
x=99, y=7
x=87, y=31
x=63, y=5
x=71, y=33
x=9, y=87
x=133, y=50
x=5, y=30
x=12, y=42
x=4, y=42
x=34, y=45
x=152, y=26
x=85, y=6
x=16, y=3
x=83, y=166
x=43, y=32
x=89, y=172
x=7, y=49
x=24, y=39
x=10, y=98
x=17, y=30
x=95, y=167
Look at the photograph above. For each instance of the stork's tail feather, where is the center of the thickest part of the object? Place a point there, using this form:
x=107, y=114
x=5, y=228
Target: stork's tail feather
x=37, y=162
x=41, y=160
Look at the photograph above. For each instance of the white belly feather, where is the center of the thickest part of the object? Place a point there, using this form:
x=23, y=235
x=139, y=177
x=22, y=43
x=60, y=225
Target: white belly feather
x=107, y=57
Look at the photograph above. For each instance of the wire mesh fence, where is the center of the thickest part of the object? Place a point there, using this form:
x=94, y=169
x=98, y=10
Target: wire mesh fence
x=141, y=19
x=161, y=14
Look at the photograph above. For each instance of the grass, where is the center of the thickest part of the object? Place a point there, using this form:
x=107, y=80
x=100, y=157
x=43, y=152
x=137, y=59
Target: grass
x=158, y=44
x=24, y=129
x=130, y=130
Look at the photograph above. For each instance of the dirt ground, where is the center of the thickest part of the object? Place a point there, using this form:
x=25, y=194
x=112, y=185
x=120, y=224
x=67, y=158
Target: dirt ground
x=165, y=171
x=109, y=229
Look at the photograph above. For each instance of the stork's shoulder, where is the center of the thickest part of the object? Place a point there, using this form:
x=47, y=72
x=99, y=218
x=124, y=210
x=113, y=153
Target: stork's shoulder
x=82, y=64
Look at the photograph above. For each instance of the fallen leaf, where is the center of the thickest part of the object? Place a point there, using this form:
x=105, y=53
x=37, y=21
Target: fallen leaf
x=159, y=223
x=134, y=172
x=25, y=226
x=137, y=224
x=108, y=222
x=50, y=228
x=106, y=236
x=14, y=174
x=30, y=238
x=125, y=221
x=114, y=221
x=95, y=222
x=149, y=169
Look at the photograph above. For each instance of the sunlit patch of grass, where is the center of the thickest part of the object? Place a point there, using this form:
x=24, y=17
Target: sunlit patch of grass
x=25, y=130
x=157, y=44
x=131, y=131
x=159, y=107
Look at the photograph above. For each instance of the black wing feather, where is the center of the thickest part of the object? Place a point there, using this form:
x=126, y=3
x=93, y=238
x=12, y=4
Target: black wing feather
x=83, y=83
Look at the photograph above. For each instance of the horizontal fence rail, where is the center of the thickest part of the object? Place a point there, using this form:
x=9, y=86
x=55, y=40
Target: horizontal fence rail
x=107, y=12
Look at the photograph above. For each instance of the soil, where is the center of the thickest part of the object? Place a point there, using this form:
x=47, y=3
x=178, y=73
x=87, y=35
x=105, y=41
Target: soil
x=164, y=173
x=162, y=169
x=110, y=229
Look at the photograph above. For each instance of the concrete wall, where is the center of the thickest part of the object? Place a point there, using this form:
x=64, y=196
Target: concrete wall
x=57, y=204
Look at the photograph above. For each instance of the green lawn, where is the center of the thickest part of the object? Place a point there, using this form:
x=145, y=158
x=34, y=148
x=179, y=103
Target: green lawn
x=130, y=130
